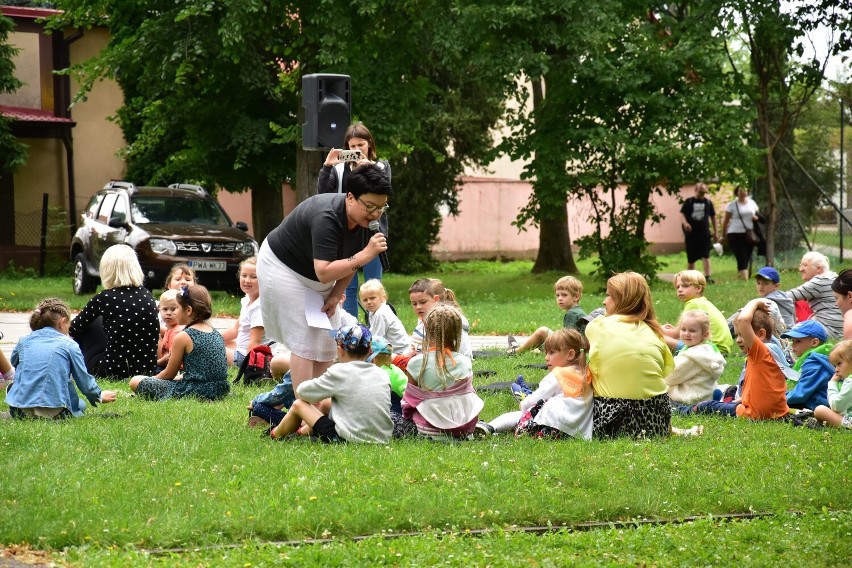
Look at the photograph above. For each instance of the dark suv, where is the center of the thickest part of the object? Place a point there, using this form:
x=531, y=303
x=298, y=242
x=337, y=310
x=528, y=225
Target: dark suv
x=165, y=226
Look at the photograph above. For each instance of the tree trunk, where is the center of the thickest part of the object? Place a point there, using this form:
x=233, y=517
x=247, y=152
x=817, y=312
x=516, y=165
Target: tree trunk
x=264, y=216
x=554, y=247
x=554, y=242
x=308, y=165
x=772, y=213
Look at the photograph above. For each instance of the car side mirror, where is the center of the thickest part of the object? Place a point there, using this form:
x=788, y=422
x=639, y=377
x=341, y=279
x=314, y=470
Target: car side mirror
x=241, y=225
x=118, y=222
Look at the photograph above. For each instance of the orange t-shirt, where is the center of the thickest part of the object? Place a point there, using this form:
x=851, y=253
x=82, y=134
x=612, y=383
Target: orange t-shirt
x=764, y=388
x=168, y=339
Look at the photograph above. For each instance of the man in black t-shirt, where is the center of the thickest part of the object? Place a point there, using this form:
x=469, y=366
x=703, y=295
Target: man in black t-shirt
x=697, y=216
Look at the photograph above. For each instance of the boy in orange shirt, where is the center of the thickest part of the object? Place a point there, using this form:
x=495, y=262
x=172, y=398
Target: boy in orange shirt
x=765, y=387
x=764, y=390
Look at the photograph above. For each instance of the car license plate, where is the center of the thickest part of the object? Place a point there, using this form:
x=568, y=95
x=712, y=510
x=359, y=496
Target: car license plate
x=211, y=265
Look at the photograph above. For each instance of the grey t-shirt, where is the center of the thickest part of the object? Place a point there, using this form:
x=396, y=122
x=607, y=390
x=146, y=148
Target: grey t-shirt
x=316, y=229
x=360, y=400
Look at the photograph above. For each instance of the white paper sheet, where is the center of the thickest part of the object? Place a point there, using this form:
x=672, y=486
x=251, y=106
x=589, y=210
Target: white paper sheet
x=313, y=310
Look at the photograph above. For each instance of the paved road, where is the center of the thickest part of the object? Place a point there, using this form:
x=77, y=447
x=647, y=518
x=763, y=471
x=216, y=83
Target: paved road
x=15, y=325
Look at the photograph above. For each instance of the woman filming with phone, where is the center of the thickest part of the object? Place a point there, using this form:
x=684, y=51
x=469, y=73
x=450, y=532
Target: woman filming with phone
x=336, y=168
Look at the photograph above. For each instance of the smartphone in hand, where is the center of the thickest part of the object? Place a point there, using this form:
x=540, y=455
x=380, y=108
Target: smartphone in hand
x=349, y=155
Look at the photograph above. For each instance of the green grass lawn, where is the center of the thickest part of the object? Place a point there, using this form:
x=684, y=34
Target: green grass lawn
x=109, y=490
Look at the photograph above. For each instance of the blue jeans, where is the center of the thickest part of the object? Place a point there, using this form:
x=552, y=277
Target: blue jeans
x=264, y=404
x=715, y=407
x=268, y=413
x=372, y=269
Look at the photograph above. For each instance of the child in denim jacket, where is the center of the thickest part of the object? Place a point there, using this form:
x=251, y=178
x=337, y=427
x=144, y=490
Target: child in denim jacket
x=45, y=363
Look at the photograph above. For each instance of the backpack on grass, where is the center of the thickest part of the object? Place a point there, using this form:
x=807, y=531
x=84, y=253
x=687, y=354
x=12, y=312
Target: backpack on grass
x=255, y=366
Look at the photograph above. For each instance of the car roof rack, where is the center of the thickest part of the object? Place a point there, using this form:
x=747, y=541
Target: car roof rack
x=119, y=184
x=191, y=186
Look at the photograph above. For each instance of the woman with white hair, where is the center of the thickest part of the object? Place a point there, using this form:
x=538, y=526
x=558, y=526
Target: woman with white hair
x=118, y=329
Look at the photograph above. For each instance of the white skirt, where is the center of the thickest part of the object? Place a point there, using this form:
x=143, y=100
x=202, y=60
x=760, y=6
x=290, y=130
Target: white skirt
x=282, y=301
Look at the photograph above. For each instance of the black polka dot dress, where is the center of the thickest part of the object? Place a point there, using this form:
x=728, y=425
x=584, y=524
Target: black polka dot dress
x=132, y=328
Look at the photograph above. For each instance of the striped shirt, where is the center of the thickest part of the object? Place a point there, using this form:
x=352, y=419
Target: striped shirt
x=817, y=292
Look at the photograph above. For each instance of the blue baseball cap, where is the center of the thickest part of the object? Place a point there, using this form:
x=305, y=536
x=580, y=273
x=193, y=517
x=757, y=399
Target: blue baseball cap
x=351, y=337
x=379, y=346
x=769, y=273
x=807, y=328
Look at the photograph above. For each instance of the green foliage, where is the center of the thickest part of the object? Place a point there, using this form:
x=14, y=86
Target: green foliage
x=212, y=93
x=780, y=82
x=428, y=103
x=618, y=251
x=12, y=152
x=636, y=104
x=201, y=87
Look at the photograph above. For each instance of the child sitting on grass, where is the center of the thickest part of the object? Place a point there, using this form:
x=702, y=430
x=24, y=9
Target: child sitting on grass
x=838, y=413
x=561, y=406
x=568, y=290
x=179, y=276
x=440, y=398
x=690, y=286
x=698, y=365
x=199, y=348
x=764, y=384
x=45, y=363
x=247, y=332
x=781, y=308
x=268, y=408
x=768, y=282
x=807, y=340
x=425, y=294
x=381, y=356
x=354, y=396
x=169, y=327
x=383, y=321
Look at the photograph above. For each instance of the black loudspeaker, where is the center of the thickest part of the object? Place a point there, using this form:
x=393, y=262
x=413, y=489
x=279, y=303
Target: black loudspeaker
x=327, y=100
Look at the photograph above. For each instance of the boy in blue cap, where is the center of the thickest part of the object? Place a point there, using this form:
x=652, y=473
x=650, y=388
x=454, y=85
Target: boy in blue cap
x=768, y=283
x=354, y=396
x=807, y=340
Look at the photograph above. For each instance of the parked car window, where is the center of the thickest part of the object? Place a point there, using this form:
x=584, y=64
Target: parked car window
x=119, y=212
x=177, y=210
x=94, y=203
x=106, y=208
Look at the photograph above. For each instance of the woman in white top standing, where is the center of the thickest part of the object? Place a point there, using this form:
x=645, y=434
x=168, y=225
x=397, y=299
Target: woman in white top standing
x=740, y=216
x=331, y=180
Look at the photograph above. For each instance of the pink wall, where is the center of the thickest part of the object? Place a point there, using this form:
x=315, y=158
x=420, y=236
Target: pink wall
x=483, y=228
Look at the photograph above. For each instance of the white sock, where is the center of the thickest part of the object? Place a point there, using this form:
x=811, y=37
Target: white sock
x=506, y=422
x=10, y=374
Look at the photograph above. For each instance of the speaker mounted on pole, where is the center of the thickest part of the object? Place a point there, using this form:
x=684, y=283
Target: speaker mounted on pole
x=327, y=100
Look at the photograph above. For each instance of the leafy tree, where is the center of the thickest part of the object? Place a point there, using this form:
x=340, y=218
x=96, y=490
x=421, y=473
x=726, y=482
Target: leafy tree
x=12, y=153
x=201, y=86
x=635, y=104
x=778, y=81
x=212, y=92
x=420, y=86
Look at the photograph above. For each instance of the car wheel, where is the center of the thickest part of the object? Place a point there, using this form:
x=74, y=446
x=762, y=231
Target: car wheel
x=84, y=283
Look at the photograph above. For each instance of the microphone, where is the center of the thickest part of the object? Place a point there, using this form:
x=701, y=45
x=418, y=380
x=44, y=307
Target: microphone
x=383, y=256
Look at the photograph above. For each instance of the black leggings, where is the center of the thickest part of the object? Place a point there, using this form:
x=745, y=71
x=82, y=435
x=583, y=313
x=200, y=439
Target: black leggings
x=742, y=249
